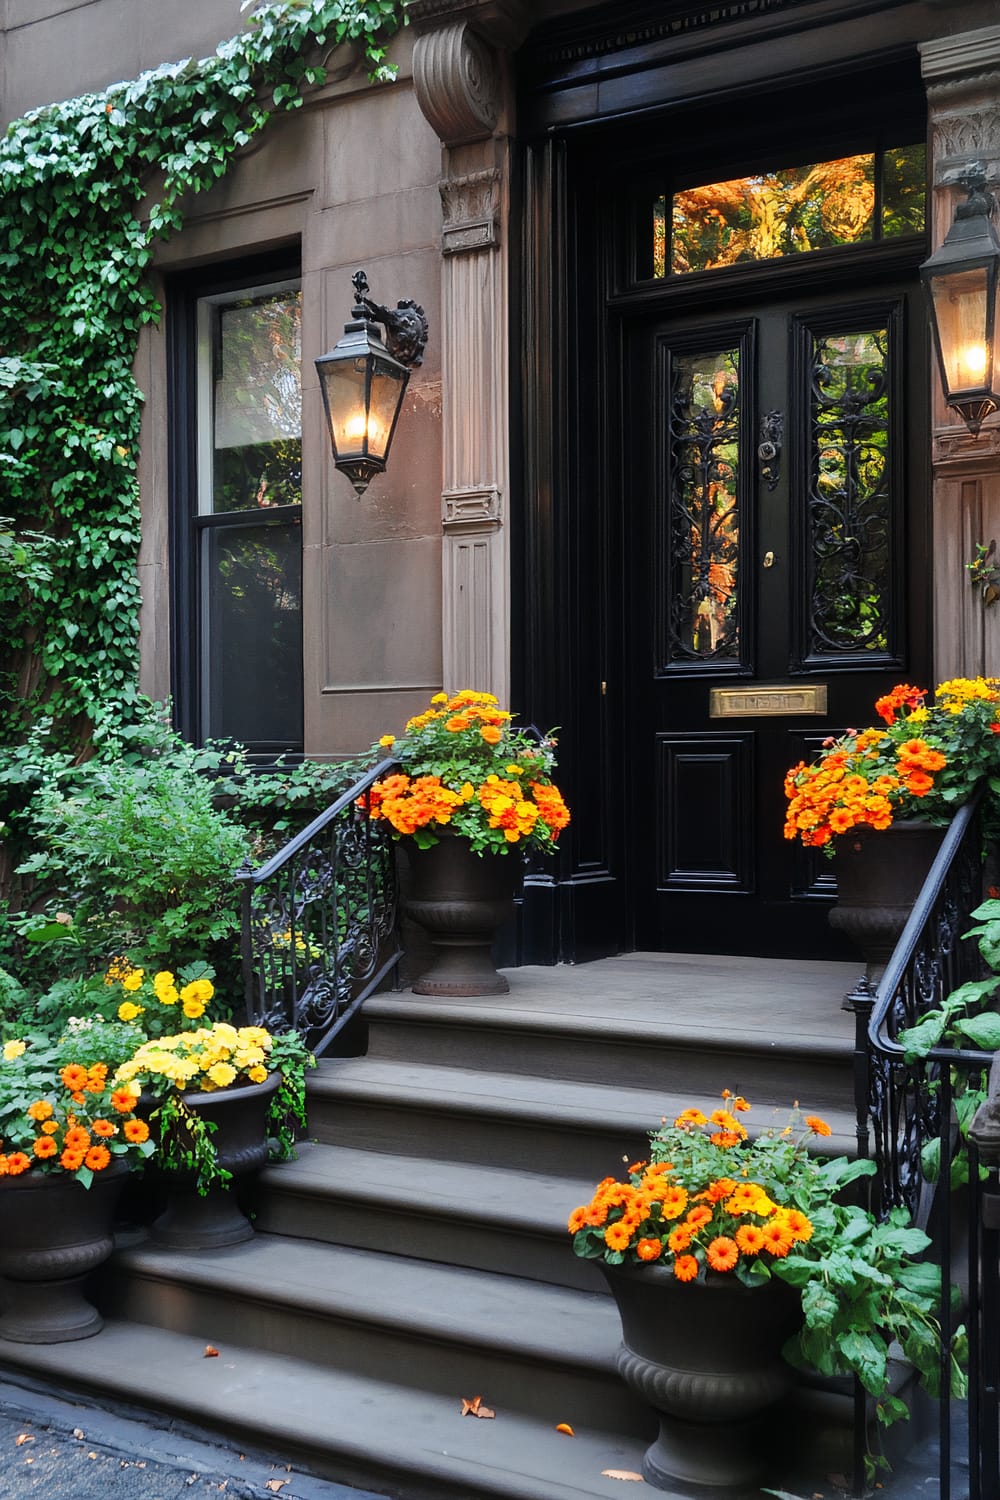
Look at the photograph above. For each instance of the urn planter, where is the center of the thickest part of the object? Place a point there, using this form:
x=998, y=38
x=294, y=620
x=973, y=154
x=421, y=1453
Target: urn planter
x=53, y=1233
x=461, y=899
x=707, y=1357
x=210, y=1221
x=880, y=873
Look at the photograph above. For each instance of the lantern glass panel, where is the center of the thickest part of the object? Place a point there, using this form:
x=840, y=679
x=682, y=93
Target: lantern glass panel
x=388, y=380
x=962, y=310
x=344, y=389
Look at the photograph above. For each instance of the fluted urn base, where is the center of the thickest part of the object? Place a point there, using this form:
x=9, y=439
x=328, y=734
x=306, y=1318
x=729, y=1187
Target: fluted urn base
x=53, y=1233
x=460, y=899
x=213, y=1220
x=707, y=1358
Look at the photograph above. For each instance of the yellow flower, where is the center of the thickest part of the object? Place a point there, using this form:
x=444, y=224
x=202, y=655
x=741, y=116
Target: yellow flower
x=129, y=1011
x=12, y=1050
x=387, y=741
x=257, y=1074
x=198, y=989
x=133, y=981
x=193, y=1009
x=440, y=698
x=164, y=980
x=222, y=1074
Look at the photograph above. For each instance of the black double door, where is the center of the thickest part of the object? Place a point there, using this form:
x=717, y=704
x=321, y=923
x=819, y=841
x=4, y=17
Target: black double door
x=775, y=584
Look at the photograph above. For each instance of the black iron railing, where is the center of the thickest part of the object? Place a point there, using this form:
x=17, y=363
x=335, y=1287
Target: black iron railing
x=914, y=1137
x=320, y=929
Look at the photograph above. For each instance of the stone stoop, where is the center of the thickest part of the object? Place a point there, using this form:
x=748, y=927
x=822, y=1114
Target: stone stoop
x=415, y=1253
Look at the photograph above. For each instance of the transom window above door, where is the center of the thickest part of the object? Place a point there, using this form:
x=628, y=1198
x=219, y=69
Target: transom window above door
x=769, y=215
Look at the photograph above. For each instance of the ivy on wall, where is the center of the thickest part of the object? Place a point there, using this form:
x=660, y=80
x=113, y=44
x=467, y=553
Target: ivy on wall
x=87, y=187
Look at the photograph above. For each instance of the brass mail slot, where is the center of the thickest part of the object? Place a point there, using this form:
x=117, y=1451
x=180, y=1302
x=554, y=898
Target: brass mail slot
x=766, y=702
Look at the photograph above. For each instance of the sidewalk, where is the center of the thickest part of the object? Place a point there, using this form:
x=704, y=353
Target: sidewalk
x=52, y=1448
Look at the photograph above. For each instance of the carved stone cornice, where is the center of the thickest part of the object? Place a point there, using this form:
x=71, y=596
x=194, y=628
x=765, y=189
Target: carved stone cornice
x=968, y=52
x=956, y=450
x=458, y=83
x=471, y=207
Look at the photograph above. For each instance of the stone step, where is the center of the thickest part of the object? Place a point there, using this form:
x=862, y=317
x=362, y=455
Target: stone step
x=541, y=1350
x=544, y=1125
x=339, y=1424
x=521, y=1033
x=486, y=1218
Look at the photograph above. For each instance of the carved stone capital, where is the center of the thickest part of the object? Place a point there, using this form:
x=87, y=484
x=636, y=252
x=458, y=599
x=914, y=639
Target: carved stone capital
x=471, y=207
x=503, y=22
x=962, y=74
x=458, y=83
x=470, y=510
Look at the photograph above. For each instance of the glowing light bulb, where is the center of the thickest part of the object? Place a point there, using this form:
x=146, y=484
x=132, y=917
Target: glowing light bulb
x=356, y=426
x=974, y=362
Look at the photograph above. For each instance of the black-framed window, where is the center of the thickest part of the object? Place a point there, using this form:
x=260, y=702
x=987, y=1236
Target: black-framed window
x=236, y=472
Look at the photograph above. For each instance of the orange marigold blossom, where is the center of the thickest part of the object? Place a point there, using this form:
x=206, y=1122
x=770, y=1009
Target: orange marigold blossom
x=777, y=1238
x=649, y=1249
x=40, y=1110
x=72, y=1161
x=105, y=1129
x=97, y=1158
x=685, y=1268
x=817, y=1126
x=74, y=1077
x=750, y=1239
x=44, y=1146
x=135, y=1131
x=722, y=1253
x=17, y=1162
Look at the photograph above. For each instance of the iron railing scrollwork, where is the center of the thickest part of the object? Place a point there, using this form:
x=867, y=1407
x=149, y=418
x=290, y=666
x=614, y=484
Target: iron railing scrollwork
x=320, y=927
x=914, y=1136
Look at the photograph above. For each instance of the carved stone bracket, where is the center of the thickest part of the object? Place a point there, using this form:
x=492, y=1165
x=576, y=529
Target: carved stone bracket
x=458, y=83
x=470, y=510
x=471, y=207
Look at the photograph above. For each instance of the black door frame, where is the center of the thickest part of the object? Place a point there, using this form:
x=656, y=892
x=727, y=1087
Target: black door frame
x=569, y=526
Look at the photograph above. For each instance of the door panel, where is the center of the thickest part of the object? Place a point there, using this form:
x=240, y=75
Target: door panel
x=766, y=585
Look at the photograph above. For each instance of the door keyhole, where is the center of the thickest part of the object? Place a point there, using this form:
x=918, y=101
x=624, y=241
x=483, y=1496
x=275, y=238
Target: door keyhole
x=768, y=559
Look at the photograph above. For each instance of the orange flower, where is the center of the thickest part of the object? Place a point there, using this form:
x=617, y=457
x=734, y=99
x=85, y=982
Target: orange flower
x=76, y=1139
x=72, y=1161
x=726, y=1138
x=691, y=1117
x=716, y=1191
x=750, y=1239
x=722, y=1254
x=817, y=1126
x=106, y=1130
x=137, y=1131
x=577, y=1219
x=97, y=1158
x=123, y=1100
x=699, y=1217
x=797, y=1224
x=491, y=734
x=74, y=1077
x=673, y=1202
x=17, y=1163
x=685, y=1268
x=648, y=1249
x=680, y=1238
x=50, y=1127
x=617, y=1236
x=43, y=1147
x=40, y=1110
x=777, y=1238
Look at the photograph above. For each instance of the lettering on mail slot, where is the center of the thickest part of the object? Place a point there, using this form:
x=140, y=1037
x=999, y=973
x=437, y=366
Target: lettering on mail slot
x=735, y=703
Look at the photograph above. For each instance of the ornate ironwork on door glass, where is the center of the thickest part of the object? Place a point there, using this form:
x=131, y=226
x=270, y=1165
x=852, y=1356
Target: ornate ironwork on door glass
x=849, y=538
x=703, y=506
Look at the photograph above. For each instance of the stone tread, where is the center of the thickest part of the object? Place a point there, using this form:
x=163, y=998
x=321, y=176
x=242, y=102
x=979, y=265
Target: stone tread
x=526, y=1099
x=500, y=1197
x=611, y=1024
x=414, y=1445
x=425, y=1300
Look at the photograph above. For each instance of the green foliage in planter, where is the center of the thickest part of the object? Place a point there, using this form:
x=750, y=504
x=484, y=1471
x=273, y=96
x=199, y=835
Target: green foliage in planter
x=87, y=187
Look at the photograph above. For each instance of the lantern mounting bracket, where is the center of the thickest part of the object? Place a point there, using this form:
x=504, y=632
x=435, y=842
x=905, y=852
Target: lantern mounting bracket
x=405, y=325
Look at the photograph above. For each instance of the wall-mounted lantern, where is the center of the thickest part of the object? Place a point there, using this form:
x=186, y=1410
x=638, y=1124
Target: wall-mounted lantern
x=961, y=280
x=363, y=380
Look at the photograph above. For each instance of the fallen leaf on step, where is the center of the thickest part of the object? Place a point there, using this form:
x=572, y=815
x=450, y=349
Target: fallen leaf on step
x=474, y=1407
x=622, y=1474
x=274, y=1485
x=23, y=1437
x=78, y=1433
x=211, y=1352
x=566, y=1428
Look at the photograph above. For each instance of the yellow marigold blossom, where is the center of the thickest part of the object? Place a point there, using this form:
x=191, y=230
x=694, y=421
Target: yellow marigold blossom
x=193, y=1009
x=129, y=1011
x=11, y=1050
x=133, y=981
x=257, y=1074
x=41, y=1109
x=222, y=1074
x=387, y=741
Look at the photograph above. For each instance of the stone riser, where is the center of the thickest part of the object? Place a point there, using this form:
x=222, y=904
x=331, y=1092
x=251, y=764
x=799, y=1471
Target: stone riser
x=507, y=1376
x=324, y=1217
x=701, y=1064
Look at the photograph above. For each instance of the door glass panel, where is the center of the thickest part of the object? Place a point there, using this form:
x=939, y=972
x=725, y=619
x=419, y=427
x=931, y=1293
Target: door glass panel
x=787, y=212
x=703, y=502
x=850, y=497
x=252, y=673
